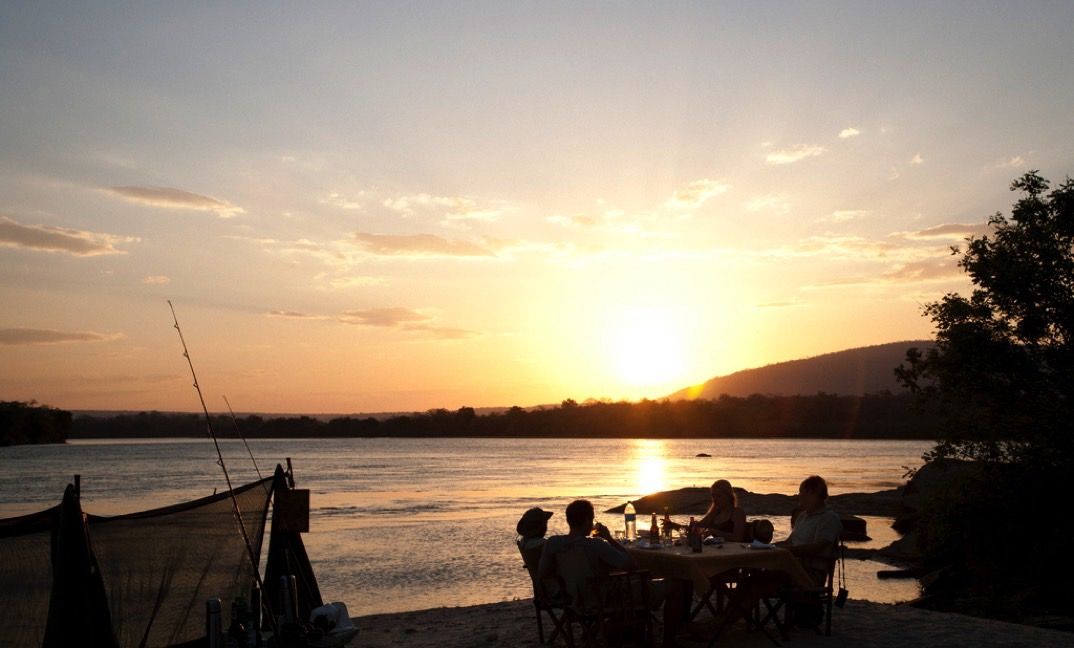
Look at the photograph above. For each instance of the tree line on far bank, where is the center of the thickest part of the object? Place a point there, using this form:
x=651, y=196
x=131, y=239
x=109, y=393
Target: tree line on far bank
x=27, y=422
x=883, y=416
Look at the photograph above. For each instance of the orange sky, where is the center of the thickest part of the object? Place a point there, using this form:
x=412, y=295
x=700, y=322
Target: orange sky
x=364, y=209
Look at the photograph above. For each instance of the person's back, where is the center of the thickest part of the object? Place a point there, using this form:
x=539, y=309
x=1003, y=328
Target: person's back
x=531, y=529
x=576, y=557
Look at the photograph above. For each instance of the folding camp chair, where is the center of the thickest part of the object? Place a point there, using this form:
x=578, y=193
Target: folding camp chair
x=543, y=601
x=614, y=607
x=791, y=598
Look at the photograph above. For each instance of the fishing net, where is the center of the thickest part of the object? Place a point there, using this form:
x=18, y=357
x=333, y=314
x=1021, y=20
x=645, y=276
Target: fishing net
x=157, y=568
x=25, y=577
x=160, y=566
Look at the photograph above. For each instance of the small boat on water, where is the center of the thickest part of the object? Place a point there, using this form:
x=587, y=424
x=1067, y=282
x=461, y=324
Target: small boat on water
x=167, y=577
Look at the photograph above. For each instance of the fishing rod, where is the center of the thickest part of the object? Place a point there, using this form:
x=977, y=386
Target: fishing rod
x=235, y=422
x=220, y=459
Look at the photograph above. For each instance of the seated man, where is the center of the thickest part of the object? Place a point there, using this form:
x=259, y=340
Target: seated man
x=604, y=552
x=815, y=530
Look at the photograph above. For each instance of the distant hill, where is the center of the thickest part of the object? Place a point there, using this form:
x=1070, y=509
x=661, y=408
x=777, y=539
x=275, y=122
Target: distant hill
x=852, y=372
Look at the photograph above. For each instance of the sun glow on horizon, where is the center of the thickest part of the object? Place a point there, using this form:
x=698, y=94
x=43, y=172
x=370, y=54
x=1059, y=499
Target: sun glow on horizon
x=649, y=348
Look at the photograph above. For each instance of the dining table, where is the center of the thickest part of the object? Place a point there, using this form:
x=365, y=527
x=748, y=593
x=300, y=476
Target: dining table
x=677, y=562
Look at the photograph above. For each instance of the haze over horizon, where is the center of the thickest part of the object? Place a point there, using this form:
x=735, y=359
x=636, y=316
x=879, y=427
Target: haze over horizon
x=386, y=208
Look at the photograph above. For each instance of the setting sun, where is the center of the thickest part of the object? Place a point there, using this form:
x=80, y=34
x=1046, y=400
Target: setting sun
x=649, y=348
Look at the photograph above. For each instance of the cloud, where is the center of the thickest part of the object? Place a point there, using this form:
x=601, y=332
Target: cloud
x=352, y=281
x=286, y=314
x=156, y=280
x=453, y=209
x=49, y=238
x=778, y=304
x=389, y=317
x=847, y=133
x=952, y=231
x=795, y=154
x=443, y=332
x=419, y=245
x=843, y=215
x=31, y=336
x=1014, y=162
x=577, y=220
x=405, y=319
x=171, y=198
x=336, y=199
x=917, y=159
x=925, y=270
x=694, y=194
x=768, y=202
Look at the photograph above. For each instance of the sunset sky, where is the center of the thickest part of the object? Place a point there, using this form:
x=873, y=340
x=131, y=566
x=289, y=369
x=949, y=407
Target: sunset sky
x=389, y=206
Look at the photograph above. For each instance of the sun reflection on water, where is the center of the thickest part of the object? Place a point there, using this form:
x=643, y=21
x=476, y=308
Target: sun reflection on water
x=650, y=461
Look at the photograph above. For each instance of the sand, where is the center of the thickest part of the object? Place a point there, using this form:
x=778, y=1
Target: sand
x=859, y=624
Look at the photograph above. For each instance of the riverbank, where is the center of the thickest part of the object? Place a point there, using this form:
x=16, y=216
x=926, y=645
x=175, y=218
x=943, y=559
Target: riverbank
x=859, y=624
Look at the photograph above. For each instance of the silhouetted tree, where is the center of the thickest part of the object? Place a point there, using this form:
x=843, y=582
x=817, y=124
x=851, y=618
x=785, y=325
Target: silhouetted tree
x=1001, y=376
x=1002, y=369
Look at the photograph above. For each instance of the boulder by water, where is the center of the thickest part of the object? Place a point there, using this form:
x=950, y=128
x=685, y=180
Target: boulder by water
x=695, y=501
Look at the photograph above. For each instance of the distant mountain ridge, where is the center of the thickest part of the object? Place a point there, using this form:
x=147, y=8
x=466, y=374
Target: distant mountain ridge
x=851, y=372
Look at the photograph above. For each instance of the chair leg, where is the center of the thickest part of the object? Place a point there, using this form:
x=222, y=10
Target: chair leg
x=828, y=619
x=540, y=625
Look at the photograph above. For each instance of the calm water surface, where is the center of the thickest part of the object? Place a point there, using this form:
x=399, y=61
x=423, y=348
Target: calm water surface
x=405, y=524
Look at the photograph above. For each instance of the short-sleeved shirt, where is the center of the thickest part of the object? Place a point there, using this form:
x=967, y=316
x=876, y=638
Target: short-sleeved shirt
x=822, y=526
x=603, y=556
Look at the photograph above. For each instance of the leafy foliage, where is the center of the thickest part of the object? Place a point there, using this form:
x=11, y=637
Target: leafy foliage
x=1002, y=370
x=1001, y=377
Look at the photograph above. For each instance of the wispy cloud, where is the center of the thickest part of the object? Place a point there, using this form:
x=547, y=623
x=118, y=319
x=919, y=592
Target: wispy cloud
x=843, y=215
x=951, y=231
x=336, y=199
x=287, y=314
x=572, y=220
x=419, y=245
x=849, y=132
x=768, y=202
x=156, y=280
x=351, y=281
x=1014, y=162
x=405, y=319
x=32, y=336
x=694, y=194
x=452, y=209
x=795, y=154
x=389, y=317
x=49, y=238
x=917, y=159
x=172, y=198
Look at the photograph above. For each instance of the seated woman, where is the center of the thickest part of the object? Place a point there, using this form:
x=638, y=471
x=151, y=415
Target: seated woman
x=531, y=529
x=724, y=518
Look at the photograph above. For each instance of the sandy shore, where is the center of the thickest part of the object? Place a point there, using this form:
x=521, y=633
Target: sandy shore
x=859, y=624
